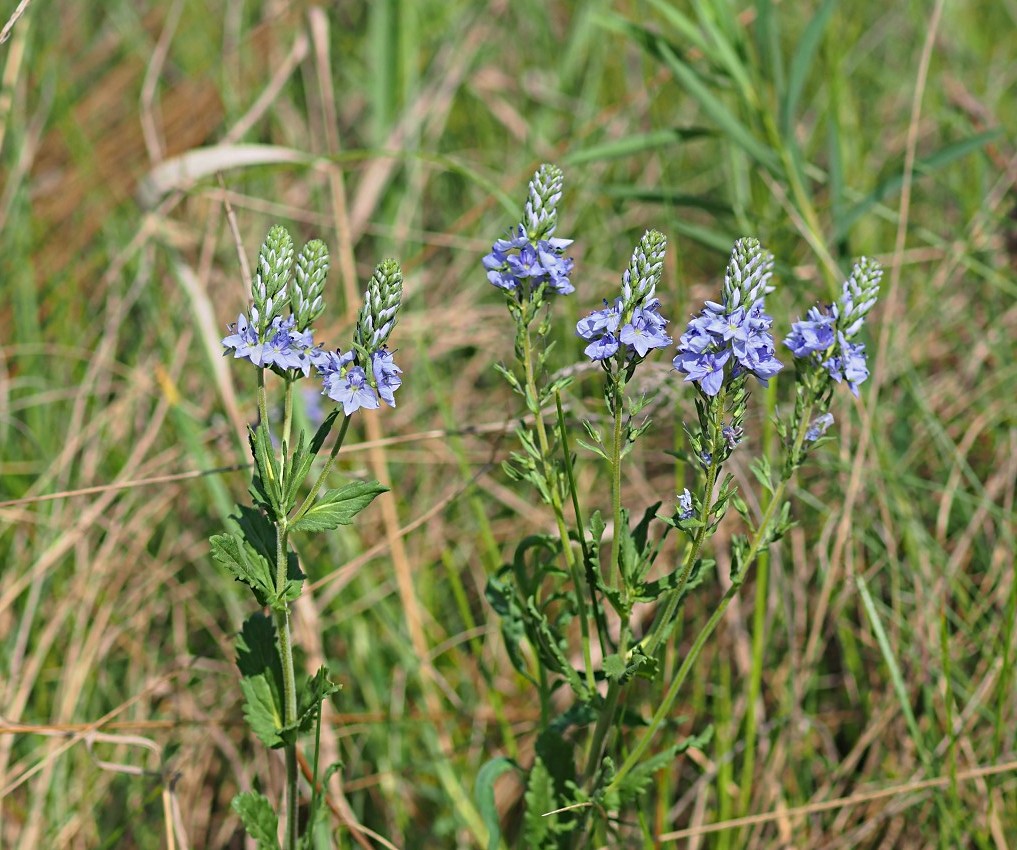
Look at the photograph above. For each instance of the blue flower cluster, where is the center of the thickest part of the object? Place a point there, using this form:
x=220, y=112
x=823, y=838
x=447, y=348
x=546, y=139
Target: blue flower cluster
x=517, y=259
x=280, y=345
x=643, y=331
x=719, y=335
x=348, y=384
x=826, y=335
x=733, y=337
x=634, y=320
x=344, y=380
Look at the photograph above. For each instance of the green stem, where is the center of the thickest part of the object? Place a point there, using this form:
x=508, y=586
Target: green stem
x=591, y=579
x=616, y=506
x=758, y=637
x=673, y=597
x=598, y=742
x=287, y=425
x=755, y=683
x=282, y=624
x=762, y=534
x=554, y=490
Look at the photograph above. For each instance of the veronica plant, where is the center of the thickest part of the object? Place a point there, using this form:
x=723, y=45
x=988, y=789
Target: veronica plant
x=567, y=600
x=290, y=498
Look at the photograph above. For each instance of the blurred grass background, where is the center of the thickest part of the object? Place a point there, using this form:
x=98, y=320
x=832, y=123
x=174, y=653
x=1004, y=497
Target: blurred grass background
x=885, y=627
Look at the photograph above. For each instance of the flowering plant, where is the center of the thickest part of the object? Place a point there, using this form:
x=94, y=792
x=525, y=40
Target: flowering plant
x=257, y=550
x=591, y=757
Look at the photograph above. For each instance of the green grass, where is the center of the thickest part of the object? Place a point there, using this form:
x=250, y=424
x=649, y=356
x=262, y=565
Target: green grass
x=889, y=612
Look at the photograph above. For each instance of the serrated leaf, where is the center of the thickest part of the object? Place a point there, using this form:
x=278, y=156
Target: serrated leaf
x=550, y=651
x=259, y=819
x=483, y=793
x=638, y=779
x=298, y=464
x=540, y=799
x=339, y=507
x=261, y=711
x=245, y=564
x=614, y=667
x=262, y=679
x=318, y=689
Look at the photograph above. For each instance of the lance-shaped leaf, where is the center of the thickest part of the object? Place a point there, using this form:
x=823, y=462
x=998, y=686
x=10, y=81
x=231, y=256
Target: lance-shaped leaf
x=265, y=488
x=639, y=778
x=502, y=598
x=302, y=458
x=339, y=507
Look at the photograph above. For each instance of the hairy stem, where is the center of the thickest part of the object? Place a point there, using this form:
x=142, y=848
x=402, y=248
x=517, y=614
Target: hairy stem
x=282, y=624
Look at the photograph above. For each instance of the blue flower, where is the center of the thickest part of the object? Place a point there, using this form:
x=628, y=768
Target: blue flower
x=705, y=368
x=732, y=435
x=818, y=427
x=516, y=259
x=602, y=348
x=280, y=347
x=646, y=330
x=811, y=335
x=685, y=506
x=386, y=375
x=721, y=332
x=825, y=336
x=344, y=382
x=634, y=320
x=848, y=363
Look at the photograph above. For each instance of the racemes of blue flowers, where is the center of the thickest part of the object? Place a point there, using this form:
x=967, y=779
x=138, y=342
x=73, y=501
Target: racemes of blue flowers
x=632, y=324
x=734, y=336
x=356, y=379
x=517, y=262
x=825, y=336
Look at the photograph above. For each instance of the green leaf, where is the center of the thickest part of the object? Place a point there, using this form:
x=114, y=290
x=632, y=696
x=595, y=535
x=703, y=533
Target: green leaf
x=262, y=679
x=298, y=464
x=261, y=711
x=252, y=552
x=265, y=488
x=805, y=51
x=302, y=458
x=259, y=819
x=318, y=689
x=501, y=596
x=483, y=793
x=539, y=797
x=634, y=144
x=597, y=450
x=760, y=468
x=639, y=778
x=246, y=564
x=339, y=507
x=540, y=830
x=923, y=165
x=614, y=667
x=551, y=653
